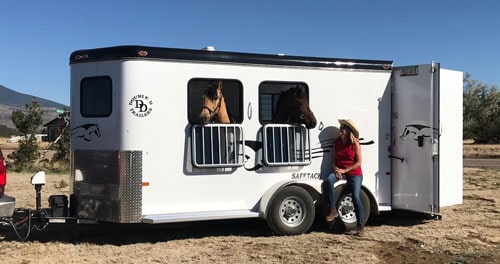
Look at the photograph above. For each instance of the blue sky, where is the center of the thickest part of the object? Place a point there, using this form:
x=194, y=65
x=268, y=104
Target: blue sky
x=37, y=37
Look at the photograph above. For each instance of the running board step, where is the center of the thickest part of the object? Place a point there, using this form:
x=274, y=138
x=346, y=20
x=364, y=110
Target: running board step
x=198, y=216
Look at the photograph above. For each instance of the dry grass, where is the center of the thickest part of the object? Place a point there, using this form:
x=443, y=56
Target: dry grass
x=6, y=145
x=467, y=233
x=480, y=151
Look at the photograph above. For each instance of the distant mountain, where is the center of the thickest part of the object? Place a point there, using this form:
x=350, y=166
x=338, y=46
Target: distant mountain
x=11, y=100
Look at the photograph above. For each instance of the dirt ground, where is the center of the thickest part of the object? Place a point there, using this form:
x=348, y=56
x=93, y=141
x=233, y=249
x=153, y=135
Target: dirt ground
x=467, y=233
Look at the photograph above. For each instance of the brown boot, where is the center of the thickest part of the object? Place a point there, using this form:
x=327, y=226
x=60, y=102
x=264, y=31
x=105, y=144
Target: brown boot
x=361, y=231
x=331, y=215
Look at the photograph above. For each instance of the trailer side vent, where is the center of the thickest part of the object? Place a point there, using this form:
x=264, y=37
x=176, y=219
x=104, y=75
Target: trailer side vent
x=286, y=145
x=217, y=145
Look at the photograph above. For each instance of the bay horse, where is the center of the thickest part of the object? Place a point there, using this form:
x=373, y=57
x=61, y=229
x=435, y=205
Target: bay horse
x=214, y=106
x=293, y=107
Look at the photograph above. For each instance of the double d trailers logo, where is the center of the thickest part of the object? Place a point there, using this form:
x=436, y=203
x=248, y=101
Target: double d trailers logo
x=140, y=105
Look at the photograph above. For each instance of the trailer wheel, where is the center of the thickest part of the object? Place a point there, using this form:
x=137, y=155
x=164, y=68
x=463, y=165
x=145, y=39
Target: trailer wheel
x=345, y=206
x=291, y=211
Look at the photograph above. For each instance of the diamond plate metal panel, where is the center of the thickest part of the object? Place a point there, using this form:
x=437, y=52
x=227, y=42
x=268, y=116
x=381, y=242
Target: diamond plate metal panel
x=107, y=185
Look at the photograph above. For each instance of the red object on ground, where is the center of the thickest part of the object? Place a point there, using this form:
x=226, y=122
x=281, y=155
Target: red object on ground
x=3, y=174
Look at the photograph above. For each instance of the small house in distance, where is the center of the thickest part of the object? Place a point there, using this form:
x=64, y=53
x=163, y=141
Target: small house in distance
x=52, y=129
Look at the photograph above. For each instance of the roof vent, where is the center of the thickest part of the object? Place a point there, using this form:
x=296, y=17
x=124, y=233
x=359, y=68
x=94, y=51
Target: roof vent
x=209, y=48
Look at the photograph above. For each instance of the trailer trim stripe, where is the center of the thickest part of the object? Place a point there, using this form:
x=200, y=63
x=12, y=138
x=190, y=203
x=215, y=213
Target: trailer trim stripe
x=157, y=53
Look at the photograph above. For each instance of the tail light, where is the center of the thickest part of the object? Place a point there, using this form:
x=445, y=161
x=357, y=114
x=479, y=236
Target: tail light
x=3, y=174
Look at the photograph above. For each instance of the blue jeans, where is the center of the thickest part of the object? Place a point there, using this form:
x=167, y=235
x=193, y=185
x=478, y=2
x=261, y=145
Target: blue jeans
x=354, y=184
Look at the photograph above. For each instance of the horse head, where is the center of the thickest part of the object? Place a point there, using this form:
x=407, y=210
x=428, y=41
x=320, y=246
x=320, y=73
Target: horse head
x=293, y=107
x=214, y=106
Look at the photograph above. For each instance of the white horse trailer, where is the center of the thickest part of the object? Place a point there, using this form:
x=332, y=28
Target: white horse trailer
x=140, y=155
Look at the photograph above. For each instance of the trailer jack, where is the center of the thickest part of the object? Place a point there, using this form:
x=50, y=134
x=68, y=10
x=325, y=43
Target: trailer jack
x=22, y=220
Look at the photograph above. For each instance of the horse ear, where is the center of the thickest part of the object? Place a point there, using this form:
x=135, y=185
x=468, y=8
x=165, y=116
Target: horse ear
x=300, y=91
x=219, y=87
x=301, y=88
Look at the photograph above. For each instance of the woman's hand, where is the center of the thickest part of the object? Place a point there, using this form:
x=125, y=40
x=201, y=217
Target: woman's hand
x=339, y=172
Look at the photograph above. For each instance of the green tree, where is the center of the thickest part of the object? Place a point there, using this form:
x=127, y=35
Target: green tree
x=481, y=111
x=27, y=123
x=61, y=144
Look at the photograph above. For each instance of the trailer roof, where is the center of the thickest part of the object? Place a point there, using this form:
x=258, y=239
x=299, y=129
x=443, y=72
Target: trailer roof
x=158, y=53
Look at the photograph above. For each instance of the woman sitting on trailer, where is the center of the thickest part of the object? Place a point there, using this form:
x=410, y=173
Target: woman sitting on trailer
x=346, y=162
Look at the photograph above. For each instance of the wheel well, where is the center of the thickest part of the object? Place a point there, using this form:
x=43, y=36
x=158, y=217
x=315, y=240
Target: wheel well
x=373, y=201
x=315, y=195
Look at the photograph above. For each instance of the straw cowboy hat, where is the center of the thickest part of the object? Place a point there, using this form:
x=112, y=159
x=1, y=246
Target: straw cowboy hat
x=349, y=123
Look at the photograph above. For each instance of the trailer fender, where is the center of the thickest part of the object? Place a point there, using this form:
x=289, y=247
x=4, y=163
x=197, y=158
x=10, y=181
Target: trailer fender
x=312, y=187
x=373, y=202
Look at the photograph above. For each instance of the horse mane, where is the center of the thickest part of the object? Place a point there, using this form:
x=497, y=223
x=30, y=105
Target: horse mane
x=282, y=97
x=228, y=112
x=232, y=119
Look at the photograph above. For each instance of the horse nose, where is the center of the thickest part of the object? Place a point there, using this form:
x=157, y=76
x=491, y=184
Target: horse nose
x=203, y=119
x=312, y=123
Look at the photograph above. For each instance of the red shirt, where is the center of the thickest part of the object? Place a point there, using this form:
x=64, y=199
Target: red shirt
x=345, y=156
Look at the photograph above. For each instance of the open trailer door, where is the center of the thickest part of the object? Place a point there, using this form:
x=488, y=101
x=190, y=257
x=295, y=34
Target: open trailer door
x=415, y=143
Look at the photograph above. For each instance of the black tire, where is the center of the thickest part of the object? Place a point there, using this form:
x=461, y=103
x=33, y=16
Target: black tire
x=345, y=207
x=291, y=211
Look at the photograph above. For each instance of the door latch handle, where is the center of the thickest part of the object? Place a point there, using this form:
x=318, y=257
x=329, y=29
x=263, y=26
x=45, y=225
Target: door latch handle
x=396, y=157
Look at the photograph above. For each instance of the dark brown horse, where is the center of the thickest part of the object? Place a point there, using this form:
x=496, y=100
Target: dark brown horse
x=293, y=107
x=214, y=106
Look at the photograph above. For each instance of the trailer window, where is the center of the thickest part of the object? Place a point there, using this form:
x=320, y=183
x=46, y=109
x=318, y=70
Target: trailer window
x=232, y=92
x=286, y=142
x=95, y=96
x=269, y=95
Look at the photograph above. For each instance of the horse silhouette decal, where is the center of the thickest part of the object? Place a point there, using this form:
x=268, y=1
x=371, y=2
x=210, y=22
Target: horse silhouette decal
x=86, y=131
x=418, y=131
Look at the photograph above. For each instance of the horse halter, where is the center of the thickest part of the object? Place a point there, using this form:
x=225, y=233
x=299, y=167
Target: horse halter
x=302, y=115
x=214, y=111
